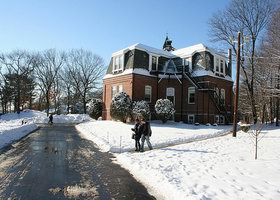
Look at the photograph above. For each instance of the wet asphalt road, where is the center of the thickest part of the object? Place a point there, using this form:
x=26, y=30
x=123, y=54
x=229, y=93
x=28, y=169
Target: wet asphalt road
x=56, y=163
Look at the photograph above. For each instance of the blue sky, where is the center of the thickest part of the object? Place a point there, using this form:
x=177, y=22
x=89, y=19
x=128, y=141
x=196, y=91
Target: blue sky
x=104, y=26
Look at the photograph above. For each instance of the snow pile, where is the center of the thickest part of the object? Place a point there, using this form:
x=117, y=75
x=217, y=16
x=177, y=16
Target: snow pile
x=116, y=136
x=29, y=116
x=14, y=130
x=33, y=116
x=219, y=168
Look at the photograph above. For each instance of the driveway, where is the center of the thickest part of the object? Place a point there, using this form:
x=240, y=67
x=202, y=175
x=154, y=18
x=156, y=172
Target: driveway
x=56, y=163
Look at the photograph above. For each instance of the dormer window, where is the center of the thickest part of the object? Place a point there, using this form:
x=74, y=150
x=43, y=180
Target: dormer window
x=222, y=67
x=153, y=63
x=118, y=63
x=186, y=64
x=217, y=65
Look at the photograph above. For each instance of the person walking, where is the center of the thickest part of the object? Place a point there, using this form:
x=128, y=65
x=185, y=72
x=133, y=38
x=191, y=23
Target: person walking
x=51, y=119
x=146, y=132
x=137, y=134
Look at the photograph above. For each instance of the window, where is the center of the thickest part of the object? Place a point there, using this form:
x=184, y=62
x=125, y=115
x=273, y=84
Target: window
x=198, y=60
x=191, y=119
x=120, y=88
x=116, y=89
x=222, y=67
x=170, y=94
x=118, y=63
x=222, y=119
x=217, y=65
x=217, y=93
x=191, y=95
x=223, y=96
x=148, y=93
x=217, y=119
x=153, y=63
x=186, y=64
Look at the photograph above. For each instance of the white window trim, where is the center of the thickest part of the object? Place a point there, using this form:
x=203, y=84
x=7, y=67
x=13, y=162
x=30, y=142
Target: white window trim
x=122, y=64
x=219, y=59
x=171, y=96
x=150, y=87
x=189, y=116
x=189, y=95
x=151, y=61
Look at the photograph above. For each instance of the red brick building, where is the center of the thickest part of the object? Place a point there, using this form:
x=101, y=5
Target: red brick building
x=196, y=79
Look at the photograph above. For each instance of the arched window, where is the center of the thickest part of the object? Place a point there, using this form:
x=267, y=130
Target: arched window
x=148, y=93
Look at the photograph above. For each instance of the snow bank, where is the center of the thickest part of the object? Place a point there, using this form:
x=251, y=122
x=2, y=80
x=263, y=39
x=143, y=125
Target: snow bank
x=14, y=132
x=33, y=116
x=116, y=136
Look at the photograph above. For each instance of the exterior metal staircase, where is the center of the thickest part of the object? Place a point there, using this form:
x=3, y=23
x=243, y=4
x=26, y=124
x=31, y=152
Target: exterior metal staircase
x=216, y=99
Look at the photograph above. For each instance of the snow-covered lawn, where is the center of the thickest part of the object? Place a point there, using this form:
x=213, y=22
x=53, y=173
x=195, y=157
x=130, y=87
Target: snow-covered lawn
x=116, y=136
x=11, y=127
x=218, y=168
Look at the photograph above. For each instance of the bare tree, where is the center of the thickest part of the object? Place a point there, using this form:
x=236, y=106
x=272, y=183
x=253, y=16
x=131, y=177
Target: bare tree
x=250, y=17
x=48, y=66
x=86, y=70
x=20, y=64
x=271, y=51
x=67, y=82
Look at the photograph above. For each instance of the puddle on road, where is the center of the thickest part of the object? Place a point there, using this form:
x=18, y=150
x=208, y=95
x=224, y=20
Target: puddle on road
x=73, y=192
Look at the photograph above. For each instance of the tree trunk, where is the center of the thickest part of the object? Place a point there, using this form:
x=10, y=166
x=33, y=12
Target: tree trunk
x=85, y=103
x=277, y=98
x=256, y=147
x=18, y=96
x=263, y=113
x=48, y=102
x=68, y=100
x=277, y=111
x=271, y=110
x=253, y=102
x=253, y=105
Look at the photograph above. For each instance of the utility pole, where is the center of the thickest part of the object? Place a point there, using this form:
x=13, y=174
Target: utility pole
x=236, y=86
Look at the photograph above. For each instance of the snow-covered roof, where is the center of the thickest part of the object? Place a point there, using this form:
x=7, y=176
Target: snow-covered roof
x=184, y=52
x=187, y=51
x=200, y=71
x=146, y=48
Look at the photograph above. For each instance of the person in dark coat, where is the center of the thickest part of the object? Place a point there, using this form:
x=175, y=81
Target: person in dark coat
x=137, y=134
x=145, y=131
x=51, y=119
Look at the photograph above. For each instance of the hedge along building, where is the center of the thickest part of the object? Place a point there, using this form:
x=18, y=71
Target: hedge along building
x=196, y=79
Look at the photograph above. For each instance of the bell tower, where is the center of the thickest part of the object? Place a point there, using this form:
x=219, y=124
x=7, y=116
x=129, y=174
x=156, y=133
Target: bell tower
x=167, y=45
